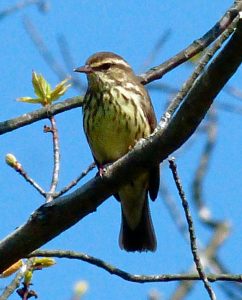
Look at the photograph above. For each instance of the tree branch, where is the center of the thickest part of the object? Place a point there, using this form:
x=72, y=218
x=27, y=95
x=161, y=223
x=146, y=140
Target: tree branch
x=127, y=276
x=40, y=114
x=196, y=47
x=191, y=229
x=53, y=218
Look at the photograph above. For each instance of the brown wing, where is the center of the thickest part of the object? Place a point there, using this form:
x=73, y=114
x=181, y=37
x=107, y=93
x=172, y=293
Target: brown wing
x=154, y=181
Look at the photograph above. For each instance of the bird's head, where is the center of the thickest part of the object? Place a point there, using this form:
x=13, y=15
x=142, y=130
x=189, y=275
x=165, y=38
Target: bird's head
x=105, y=68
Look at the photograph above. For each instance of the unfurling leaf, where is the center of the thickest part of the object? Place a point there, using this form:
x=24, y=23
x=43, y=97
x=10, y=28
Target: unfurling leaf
x=41, y=86
x=45, y=95
x=30, y=100
x=43, y=262
x=59, y=89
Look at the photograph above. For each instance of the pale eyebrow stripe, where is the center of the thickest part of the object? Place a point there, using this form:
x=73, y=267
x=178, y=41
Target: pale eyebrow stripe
x=110, y=61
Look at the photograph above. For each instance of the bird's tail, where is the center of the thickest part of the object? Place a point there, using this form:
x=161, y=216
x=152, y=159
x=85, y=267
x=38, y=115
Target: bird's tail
x=142, y=237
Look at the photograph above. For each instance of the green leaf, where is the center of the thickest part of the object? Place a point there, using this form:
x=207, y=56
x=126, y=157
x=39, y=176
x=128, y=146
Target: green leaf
x=39, y=85
x=45, y=95
x=59, y=90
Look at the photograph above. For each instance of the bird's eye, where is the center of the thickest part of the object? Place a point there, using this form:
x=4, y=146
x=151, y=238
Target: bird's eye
x=105, y=66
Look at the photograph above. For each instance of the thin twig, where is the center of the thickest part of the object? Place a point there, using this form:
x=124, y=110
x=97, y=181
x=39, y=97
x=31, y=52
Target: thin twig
x=174, y=104
x=230, y=108
x=233, y=91
x=197, y=185
x=56, y=151
x=69, y=62
x=173, y=210
x=10, y=288
x=220, y=233
x=43, y=49
x=23, y=173
x=155, y=50
x=75, y=181
x=196, y=47
x=127, y=276
x=22, y=4
x=163, y=87
x=185, y=205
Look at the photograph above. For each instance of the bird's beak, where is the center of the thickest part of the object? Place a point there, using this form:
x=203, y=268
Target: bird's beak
x=84, y=69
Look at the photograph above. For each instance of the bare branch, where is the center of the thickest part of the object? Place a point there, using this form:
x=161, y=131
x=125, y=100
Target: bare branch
x=56, y=150
x=191, y=229
x=10, y=288
x=24, y=174
x=127, y=276
x=200, y=67
x=196, y=47
x=219, y=235
x=74, y=182
x=40, y=114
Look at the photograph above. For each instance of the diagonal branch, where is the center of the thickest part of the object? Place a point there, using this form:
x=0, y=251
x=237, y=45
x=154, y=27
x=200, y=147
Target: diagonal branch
x=196, y=47
x=53, y=218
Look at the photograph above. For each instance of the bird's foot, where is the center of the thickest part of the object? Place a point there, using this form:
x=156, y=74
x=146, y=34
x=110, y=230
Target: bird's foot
x=102, y=169
x=132, y=146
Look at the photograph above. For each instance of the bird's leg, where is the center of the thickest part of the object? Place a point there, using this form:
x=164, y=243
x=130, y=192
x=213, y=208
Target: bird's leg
x=102, y=169
x=130, y=147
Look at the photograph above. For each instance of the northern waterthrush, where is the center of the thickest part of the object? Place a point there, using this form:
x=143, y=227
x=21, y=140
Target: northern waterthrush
x=117, y=112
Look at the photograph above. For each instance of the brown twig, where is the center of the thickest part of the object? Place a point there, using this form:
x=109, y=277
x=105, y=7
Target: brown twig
x=40, y=114
x=23, y=173
x=174, y=104
x=196, y=47
x=220, y=233
x=56, y=152
x=75, y=181
x=127, y=276
x=10, y=288
x=193, y=242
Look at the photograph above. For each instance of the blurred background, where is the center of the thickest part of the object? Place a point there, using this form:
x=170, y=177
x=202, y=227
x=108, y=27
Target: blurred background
x=53, y=37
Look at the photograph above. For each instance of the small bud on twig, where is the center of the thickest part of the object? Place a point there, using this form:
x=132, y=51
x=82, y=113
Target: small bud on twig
x=11, y=160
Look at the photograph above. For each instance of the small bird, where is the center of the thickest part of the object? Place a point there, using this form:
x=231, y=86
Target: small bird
x=117, y=112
